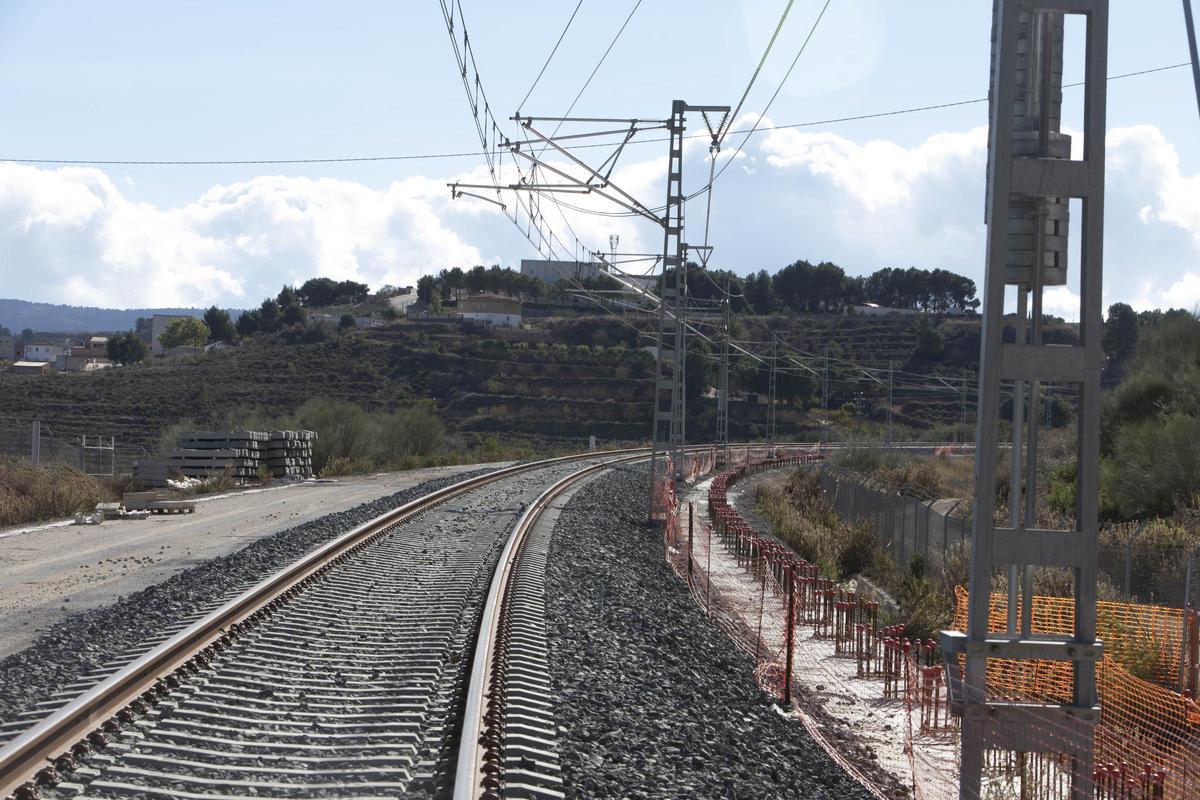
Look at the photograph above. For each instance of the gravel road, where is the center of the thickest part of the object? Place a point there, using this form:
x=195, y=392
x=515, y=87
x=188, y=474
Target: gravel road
x=653, y=701
x=84, y=642
x=52, y=572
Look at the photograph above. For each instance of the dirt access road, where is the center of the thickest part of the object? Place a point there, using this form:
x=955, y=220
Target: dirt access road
x=49, y=572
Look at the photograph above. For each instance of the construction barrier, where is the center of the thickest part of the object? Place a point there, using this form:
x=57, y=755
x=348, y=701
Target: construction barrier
x=1148, y=738
x=803, y=630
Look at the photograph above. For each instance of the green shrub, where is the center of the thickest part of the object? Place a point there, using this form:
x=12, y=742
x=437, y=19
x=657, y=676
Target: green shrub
x=344, y=432
x=1155, y=467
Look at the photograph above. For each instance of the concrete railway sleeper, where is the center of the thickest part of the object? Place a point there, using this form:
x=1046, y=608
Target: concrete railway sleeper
x=344, y=675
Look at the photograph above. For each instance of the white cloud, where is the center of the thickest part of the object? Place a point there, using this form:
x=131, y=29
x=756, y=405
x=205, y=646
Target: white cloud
x=878, y=173
x=1061, y=302
x=70, y=235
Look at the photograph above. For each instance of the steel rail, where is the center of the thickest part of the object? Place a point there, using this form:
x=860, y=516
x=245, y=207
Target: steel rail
x=478, y=746
x=31, y=756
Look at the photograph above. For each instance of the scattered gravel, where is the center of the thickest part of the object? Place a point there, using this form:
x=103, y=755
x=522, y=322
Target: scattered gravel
x=70, y=650
x=654, y=701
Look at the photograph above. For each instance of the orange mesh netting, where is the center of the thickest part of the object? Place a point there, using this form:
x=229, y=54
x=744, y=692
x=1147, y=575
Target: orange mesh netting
x=1142, y=723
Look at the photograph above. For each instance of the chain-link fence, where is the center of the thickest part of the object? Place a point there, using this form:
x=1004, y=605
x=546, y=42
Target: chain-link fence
x=907, y=526
x=94, y=454
x=1142, y=562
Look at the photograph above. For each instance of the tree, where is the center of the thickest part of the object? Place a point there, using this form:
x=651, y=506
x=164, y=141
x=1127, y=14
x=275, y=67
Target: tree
x=27, y=336
x=269, y=312
x=352, y=292
x=1120, y=332
x=220, y=326
x=294, y=314
x=127, y=348
x=318, y=292
x=426, y=288
x=144, y=328
x=249, y=323
x=287, y=298
x=347, y=322
x=929, y=341
x=187, y=331
x=5, y=331
x=476, y=279
x=759, y=294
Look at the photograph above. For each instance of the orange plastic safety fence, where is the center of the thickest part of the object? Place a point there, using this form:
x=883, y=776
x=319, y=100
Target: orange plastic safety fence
x=1142, y=722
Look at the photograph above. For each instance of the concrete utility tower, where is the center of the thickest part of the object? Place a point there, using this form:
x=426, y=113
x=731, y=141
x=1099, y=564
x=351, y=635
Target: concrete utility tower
x=1031, y=179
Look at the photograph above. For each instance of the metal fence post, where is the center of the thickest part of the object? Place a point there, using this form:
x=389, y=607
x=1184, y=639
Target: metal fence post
x=689, y=544
x=1187, y=606
x=1129, y=557
x=35, y=454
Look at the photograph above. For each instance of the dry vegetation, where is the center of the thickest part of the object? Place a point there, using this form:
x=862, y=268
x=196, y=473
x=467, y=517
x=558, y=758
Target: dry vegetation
x=29, y=493
x=802, y=519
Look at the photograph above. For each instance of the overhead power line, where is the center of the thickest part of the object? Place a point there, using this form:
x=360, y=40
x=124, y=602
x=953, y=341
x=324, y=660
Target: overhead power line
x=542, y=72
x=475, y=153
x=738, y=108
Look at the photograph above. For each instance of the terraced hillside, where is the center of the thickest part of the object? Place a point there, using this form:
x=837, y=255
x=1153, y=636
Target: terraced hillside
x=567, y=388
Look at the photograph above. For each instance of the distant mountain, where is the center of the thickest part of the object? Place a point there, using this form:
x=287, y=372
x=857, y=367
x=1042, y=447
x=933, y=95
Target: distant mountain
x=17, y=315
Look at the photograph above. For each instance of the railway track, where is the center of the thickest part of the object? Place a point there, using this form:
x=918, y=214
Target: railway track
x=348, y=674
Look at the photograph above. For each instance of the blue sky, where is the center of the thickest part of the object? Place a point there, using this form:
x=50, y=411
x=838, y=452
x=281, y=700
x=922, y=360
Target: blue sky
x=225, y=80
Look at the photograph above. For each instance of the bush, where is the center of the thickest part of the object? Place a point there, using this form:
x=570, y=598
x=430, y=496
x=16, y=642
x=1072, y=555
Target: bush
x=1155, y=468
x=29, y=493
x=344, y=433
x=410, y=432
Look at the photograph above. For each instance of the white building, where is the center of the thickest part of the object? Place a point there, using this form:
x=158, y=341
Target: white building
x=491, y=309
x=551, y=272
x=876, y=310
x=43, y=352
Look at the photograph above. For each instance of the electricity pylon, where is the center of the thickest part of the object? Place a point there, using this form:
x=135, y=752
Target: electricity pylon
x=1030, y=181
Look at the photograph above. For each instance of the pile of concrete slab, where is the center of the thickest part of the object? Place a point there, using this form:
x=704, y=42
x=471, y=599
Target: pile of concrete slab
x=288, y=454
x=243, y=455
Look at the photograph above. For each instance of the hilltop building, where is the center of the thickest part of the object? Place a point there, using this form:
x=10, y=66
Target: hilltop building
x=552, y=272
x=491, y=309
x=42, y=351
x=32, y=368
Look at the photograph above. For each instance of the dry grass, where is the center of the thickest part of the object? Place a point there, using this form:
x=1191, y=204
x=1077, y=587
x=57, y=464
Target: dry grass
x=29, y=493
x=802, y=519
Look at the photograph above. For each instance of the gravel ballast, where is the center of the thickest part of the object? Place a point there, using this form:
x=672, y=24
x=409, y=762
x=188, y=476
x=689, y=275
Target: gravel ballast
x=652, y=700
x=82, y=643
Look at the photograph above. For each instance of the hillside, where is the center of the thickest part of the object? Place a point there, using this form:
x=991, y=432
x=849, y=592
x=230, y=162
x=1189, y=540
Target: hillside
x=17, y=315
x=589, y=379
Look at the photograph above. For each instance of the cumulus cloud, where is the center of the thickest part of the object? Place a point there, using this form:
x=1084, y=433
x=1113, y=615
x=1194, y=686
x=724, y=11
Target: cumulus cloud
x=71, y=235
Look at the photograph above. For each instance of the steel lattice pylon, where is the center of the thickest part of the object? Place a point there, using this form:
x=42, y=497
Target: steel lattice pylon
x=1031, y=179
x=670, y=409
x=669, y=432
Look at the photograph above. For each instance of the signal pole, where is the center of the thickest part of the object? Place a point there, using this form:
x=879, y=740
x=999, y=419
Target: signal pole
x=723, y=385
x=771, y=402
x=891, y=368
x=1031, y=178
x=825, y=399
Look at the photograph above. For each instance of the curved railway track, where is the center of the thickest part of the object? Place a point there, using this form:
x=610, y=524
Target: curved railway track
x=348, y=674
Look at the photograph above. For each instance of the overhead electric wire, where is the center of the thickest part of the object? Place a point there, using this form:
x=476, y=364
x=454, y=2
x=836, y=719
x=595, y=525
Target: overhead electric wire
x=778, y=27
x=475, y=154
x=549, y=57
x=778, y=89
